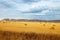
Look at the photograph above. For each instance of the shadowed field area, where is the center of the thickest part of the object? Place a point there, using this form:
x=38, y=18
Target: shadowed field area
x=5, y=35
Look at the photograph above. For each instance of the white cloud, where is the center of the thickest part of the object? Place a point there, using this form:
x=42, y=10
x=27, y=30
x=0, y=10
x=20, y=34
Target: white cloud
x=16, y=8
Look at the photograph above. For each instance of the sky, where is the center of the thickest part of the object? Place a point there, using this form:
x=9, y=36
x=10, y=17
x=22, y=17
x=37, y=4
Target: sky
x=30, y=9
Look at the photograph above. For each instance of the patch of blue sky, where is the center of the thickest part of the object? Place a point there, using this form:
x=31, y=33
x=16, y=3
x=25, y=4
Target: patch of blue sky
x=30, y=9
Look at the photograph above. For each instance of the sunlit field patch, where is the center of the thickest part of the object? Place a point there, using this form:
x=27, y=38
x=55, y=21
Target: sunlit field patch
x=12, y=30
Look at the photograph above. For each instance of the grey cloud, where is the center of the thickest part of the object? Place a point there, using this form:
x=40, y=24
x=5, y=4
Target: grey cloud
x=5, y=5
x=27, y=1
x=35, y=11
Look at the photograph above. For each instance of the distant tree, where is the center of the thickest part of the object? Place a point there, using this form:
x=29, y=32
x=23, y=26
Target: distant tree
x=6, y=19
x=13, y=20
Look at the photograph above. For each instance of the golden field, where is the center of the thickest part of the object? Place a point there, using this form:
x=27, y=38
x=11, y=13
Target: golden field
x=38, y=27
x=50, y=30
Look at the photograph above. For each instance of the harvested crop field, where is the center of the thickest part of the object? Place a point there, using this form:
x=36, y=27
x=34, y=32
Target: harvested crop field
x=5, y=35
x=29, y=30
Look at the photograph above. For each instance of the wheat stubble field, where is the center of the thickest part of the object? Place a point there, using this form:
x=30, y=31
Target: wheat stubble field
x=29, y=30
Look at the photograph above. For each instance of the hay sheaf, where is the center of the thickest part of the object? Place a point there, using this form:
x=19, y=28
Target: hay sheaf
x=5, y=35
